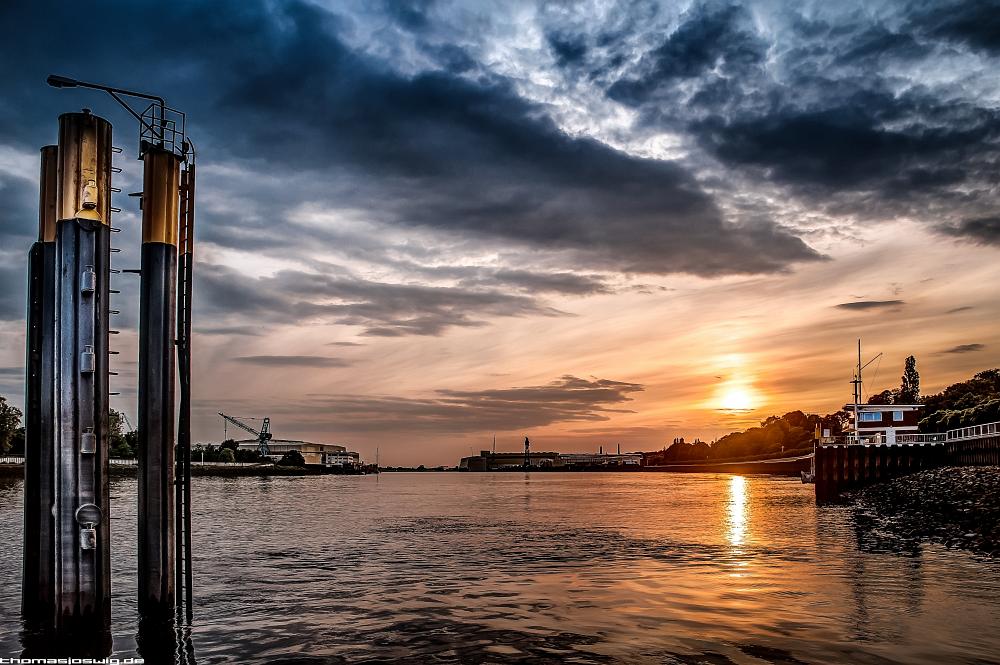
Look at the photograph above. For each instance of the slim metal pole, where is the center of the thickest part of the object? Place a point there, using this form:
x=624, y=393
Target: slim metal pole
x=857, y=396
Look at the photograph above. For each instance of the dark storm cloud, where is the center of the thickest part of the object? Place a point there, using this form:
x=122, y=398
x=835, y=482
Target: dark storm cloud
x=832, y=116
x=567, y=399
x=568, y=50
x=18, y=230
x=529, y=281
x=983, y=230
x=866, y=305
x=849, y=146
x=381, y=309
x=293, y=361
x=965, y=348
x=460, y=155
x=13, y=277
x=249, y=331
x=710, y=38
x=975, y=24
x=566, y=283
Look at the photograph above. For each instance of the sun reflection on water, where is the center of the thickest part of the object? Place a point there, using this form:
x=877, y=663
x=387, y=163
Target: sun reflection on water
x=737, y=510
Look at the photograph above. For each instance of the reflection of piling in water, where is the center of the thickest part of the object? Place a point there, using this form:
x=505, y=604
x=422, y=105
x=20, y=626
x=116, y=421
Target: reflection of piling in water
x=37, y=578
x=156, y=382
x=82, y=575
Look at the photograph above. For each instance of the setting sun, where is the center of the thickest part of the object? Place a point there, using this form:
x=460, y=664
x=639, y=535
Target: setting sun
x=737, y=399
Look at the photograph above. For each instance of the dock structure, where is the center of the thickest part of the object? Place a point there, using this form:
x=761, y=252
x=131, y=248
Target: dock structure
x=66, y=583
x=847, y=463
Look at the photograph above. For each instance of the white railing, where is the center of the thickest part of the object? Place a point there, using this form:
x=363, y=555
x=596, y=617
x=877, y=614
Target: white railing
x=122, y=461
x=881, y=439
x=920, y=438
x=19, y=459
x=973, y=432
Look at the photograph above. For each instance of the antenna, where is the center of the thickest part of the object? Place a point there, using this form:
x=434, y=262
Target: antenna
x=858, y=385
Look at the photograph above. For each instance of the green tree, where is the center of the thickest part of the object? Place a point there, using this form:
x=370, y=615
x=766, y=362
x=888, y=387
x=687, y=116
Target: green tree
x=132, y=439
x=885, y=397
x=17, y=442
x=292, y=458
x=119, y=442
x=972, y=402
x=227, y=455
x=10, y=421
x=909, y=389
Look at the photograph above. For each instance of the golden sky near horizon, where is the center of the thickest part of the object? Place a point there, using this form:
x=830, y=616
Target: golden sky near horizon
x=590, y=224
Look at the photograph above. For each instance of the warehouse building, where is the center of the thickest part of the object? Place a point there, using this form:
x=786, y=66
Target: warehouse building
x=327, y=455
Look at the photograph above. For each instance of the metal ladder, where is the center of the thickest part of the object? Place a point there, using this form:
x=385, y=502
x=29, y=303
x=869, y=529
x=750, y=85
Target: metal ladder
x=182, y=482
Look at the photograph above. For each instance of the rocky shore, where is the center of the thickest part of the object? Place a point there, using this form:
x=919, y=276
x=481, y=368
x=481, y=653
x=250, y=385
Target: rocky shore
x=955, y=506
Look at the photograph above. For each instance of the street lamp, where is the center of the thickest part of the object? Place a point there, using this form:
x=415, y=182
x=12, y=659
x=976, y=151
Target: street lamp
x=57, y=81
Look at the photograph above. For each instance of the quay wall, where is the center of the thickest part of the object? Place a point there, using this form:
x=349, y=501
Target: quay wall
x=779, y=467
x=840, y=468
x=975, y=452
x=843, y=467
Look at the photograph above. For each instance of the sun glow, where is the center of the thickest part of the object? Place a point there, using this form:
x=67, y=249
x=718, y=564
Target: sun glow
x=737, y=398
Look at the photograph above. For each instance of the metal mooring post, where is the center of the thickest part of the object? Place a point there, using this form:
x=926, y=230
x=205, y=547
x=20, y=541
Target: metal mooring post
x=82, y=589
x=37, y=578
x=157, y=308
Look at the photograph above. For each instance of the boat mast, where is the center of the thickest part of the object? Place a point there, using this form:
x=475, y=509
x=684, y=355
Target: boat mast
x=857, y=387
x=857, y=392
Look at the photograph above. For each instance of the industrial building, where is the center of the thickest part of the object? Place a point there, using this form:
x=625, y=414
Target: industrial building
x=327, y=455
x=600, y=459
x=488, y=460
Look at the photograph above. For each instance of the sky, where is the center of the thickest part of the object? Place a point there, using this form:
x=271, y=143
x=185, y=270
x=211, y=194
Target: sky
x=422, y=224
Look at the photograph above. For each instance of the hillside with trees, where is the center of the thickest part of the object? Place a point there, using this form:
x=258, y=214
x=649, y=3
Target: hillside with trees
x=971, y=402
x=776, y=435
x=963, y=404
x=11, y=431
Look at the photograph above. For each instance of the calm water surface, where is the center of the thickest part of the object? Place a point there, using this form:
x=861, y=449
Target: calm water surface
x=577, y=568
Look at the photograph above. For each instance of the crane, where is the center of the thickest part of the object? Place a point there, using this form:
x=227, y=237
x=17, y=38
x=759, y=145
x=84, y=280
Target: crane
x=263, y=436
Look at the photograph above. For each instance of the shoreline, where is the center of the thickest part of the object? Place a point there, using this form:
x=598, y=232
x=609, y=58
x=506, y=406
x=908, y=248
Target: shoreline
x=263, y=470
x=958, y=507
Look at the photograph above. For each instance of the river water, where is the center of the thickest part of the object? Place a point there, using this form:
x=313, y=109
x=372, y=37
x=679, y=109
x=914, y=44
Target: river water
x=543, y=567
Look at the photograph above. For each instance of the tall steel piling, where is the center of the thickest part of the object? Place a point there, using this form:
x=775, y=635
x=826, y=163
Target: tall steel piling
x=37, y=573
x=82, y=562
x=160, y=204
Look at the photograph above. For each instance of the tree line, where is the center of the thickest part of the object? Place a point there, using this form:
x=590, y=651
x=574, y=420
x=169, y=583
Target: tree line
x=972, y=402
x=123, y=441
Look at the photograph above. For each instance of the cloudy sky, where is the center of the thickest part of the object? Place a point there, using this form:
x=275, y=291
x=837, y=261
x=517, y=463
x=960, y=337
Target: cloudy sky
x=422, y=223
